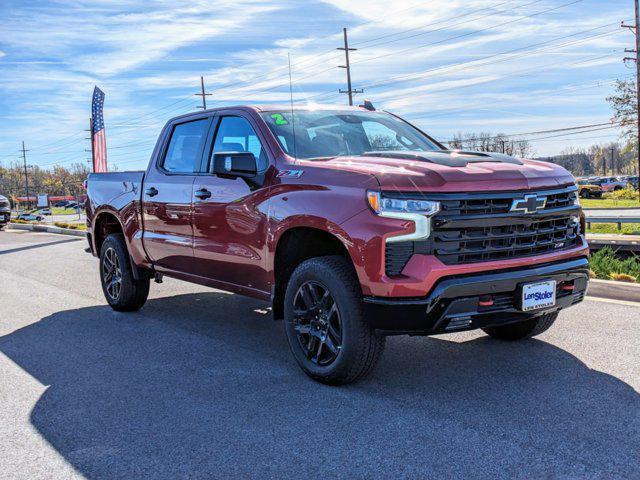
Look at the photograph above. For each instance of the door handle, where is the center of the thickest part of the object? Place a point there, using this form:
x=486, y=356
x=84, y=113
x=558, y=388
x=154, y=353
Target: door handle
x=151, y=192
x=202, y=194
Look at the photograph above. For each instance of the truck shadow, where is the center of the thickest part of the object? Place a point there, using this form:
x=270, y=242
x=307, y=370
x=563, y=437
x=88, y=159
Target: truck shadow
x=202, y=385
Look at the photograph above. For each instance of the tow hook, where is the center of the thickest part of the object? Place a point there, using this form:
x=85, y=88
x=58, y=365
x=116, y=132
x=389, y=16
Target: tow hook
x=157, y=277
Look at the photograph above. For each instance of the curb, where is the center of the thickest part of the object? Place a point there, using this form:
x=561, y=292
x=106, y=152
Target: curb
x=628, y=292
x=611, y=208
x=48, y=229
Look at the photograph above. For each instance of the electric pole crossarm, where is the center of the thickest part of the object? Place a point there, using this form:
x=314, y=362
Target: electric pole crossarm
x=346, y=49
x=203, y=94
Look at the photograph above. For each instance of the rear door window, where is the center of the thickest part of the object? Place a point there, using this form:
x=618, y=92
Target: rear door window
x=185, y=147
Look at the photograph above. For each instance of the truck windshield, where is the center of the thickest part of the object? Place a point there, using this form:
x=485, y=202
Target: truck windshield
x=335, y=133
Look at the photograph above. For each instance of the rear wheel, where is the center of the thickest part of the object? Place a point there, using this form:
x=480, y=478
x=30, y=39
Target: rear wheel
x=584, y=193
x=325, y=325
x=522, y=330
x=122, y=291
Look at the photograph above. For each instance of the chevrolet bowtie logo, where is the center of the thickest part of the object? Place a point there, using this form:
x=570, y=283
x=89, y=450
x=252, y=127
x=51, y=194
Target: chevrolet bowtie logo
x=528, y=204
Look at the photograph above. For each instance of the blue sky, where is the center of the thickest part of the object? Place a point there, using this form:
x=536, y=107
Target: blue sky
x=447, y=65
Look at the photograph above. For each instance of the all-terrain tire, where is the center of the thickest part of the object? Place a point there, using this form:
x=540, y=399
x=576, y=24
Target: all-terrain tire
x=131, y=294
x=361, y=347
x=522, y=330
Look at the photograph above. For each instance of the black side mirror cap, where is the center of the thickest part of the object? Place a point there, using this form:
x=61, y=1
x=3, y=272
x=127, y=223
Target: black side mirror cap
x=235, y=164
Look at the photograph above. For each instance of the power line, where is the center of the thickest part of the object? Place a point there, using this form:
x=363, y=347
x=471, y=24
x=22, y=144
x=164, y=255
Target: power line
x=483, y=62
x=455, y=24
x=541, y=132
x=524, y=17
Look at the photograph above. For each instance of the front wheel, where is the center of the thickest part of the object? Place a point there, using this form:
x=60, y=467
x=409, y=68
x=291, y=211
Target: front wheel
x=325, y=324
x=122, y=291
x=522, y=330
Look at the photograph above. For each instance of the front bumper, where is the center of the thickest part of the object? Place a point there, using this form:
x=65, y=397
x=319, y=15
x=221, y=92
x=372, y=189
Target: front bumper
x=459, y=303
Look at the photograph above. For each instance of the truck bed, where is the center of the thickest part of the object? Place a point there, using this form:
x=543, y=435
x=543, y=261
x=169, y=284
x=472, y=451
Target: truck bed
x=106, y=188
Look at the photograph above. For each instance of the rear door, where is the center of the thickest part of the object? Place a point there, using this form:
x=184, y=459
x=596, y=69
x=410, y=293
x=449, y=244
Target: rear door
x=167, y=194
x=229, y=216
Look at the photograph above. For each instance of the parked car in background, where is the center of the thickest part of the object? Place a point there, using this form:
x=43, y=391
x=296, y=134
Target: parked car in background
x=633, y=181
x=587, y=189
x=355, y=225
x=30, y=217
x=5, y=211
x=609, y=184
x=45, y=211
x=61, y=203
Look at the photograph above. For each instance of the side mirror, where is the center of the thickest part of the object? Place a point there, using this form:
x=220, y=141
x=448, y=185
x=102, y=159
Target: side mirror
x=235, y=164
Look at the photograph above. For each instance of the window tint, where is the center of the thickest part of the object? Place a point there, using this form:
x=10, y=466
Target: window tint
x=185, y=146
x=382, y=137
x=331, y=133
x=235, y=134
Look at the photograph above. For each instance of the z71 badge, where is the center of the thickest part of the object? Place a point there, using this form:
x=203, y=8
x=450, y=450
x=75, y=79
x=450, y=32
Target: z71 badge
x=290, y=173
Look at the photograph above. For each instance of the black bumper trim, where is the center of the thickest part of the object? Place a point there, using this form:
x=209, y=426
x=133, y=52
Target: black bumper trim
x=454, y=300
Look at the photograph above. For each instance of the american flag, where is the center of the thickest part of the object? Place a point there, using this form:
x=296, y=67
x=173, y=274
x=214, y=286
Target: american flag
x=99, y=138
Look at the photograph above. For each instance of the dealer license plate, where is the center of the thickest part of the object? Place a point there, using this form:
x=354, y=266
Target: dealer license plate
x=538, y=295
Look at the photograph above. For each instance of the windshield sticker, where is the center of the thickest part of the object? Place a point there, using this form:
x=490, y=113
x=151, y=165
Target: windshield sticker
x=278, y=119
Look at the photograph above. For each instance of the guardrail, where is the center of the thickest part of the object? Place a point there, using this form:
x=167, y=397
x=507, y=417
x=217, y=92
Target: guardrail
x=617, y=220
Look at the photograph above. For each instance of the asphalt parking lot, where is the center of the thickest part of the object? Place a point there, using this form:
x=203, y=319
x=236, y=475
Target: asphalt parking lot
x=200, y=384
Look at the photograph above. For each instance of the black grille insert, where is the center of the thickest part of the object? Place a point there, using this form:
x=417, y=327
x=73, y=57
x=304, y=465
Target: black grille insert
x=480, y=227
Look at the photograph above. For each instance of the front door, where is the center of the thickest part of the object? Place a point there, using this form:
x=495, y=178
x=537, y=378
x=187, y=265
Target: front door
x=230, y=217
x=167, y=194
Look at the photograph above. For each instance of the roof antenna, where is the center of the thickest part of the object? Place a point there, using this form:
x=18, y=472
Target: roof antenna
x=293, y=118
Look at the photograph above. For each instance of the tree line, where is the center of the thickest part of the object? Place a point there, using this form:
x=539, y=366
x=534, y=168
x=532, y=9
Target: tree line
x=58, y=181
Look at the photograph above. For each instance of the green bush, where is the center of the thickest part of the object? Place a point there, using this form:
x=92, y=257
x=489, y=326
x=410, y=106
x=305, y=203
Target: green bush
x=606, y=266
x=627, y=193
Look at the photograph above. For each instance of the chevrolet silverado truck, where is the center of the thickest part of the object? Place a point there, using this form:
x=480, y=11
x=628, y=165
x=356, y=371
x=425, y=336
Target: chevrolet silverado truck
x=5, y=211
x=351, y=222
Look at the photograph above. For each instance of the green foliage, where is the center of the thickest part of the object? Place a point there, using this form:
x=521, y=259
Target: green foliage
x=605, y=265
x=608, y=203
x=624, y=105
x=627, y=193
x=72, y=226
x=612, y=229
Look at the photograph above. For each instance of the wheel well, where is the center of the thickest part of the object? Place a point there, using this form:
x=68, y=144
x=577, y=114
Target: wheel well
x=294, y=247
x=105, y=225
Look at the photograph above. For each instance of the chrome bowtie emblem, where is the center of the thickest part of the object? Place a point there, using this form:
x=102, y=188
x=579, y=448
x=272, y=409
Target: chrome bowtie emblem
x=528, y=204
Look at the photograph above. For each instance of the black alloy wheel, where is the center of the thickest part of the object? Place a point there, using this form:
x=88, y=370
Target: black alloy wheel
x=317, y=323
x=112, y=274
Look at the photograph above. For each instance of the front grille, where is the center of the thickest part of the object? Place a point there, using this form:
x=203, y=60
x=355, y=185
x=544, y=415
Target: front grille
x=480, y=227
x=4, y=205
x=515, y=240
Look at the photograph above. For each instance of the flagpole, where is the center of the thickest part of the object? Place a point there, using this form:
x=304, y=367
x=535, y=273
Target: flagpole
x=93, y=153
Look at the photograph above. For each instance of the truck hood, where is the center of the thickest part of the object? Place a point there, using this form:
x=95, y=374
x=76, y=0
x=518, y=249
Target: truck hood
x=452, y=171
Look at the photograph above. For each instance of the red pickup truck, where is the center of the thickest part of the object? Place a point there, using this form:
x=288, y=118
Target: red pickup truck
x=353, y=223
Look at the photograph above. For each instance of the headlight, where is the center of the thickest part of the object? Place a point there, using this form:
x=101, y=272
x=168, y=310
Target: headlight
x=417, y=211
x=381, y=204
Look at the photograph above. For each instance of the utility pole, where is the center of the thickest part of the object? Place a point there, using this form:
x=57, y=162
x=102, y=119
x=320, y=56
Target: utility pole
x=613, y=162
x=26, y=177
x=203, y=94
x=636, y=30
x=349, y=91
